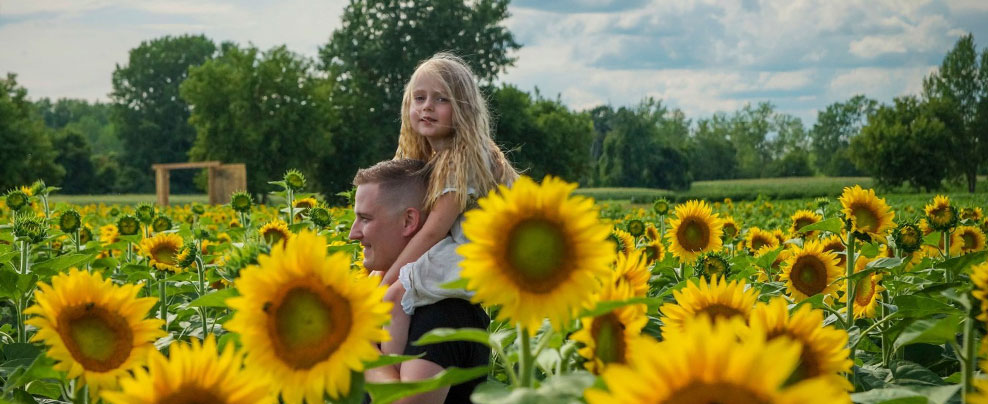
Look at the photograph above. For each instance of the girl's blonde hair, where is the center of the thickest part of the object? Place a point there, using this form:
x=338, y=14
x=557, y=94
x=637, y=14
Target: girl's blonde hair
x=473, y=159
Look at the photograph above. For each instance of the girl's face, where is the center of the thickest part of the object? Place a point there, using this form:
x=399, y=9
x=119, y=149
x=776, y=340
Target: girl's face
x=431, y=110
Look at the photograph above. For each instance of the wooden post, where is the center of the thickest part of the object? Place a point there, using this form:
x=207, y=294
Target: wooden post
x=161, y=178
x=214, y=196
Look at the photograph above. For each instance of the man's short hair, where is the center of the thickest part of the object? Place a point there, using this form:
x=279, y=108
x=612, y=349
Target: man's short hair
x=402, y=182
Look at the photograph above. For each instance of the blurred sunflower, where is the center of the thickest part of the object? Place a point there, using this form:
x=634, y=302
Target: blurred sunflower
x=275, y=232
x=972, y=215
x=95, y=330
x=69, y=222
x=835, y=245
x=128, y=225
x=631, y=274
x=867, y=290
x=979, y=277
x=548, y=258
x=306, y=320
x=108, y=234
x=707, y=363
x=715, y=298
x=804, y=218
x=971, y=239
x=824, y=348
x=661, y=206
x=758, y=239
x=655, y=251
x=694, y=231
x=730, y=228
x=712, y=265
x=623, y=240
x=810, y=271
x=940, y=215
x=868, y=213
x=908, y=237
x=652, y=233
x=161, y=223
x=606, y=338
x=194, y=373
x=162, y=251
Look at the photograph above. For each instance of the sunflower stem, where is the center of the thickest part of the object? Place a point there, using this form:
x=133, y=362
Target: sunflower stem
x=946, y=242
x=202, y=291
x=849, y=247
x=508, y=367
x=163, y=306
x=291, y=209
x=970, y=358
x=525, y=357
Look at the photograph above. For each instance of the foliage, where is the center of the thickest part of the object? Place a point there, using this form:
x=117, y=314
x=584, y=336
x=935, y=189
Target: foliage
x=962, y=84
x=831, y=135
x=905, y=142
x=26, y=151
x=639, y=149
x=75, y=156
x=373, y=54
x=150, y=117
x=710, y=143
x=91, y=120
x=262, y=109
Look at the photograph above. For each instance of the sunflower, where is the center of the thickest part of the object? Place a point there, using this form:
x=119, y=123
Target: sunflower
x=162, y=251
x=971, y=239
x=730, y=228
x=320, y=216
x=972, y=215
x=661, y=206
x=623, y=240
x=69, y=221
x=711, y=265
x=161, y=223
x=94, y=329
x=775, y=268
x=868, y=213
x=108, y=234
x=631, y=273
x=940, y=215
x=548, y=257
x=241, y=201
x=694, y=231
x=980, y=395
x=824, y=348
x=908, y=237
x=635, y=227
x=655, y=251
x=128, y=225
x=306, y=320
x=652, y=233
x=835, y=245
x=294, y=180
x=803, y=218
x=306, y=203
x=145, y=212
x=867, y=290
x=17, y=200
x=606, y=337
x=758, y=239
x=715, y=298
x=274, y=232
x=194, y=373
x=810, y=271
x=85, y=234
x=979, y=277
x=707, y=363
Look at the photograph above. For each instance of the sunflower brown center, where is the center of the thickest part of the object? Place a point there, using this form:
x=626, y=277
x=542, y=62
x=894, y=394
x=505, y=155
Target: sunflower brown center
x=720, y=311
x=537, y=253
x=608, y=333
x=272, y=236
x=802, y=222
x=164, y=254
x=758, y=242
x=865, y=219
x=809, y=275
x=714, y=393
x=693, y=234
x=730, y=230
x=98, y=339
x=307, y=324
x=969, y=242
x=942, y=215
x=909, y=236
x=192, y=395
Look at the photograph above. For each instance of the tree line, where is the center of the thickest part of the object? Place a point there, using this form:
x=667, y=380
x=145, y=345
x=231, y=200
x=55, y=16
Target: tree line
x=186, y=98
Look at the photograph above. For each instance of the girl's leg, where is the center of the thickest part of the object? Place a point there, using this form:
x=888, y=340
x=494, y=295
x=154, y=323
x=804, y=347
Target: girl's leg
x=399, y=321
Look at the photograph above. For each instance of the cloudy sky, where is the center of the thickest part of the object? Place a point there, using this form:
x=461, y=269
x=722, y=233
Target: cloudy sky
x=699, y=56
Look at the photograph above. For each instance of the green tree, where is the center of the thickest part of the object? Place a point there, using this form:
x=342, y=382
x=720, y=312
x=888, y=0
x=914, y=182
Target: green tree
x=962, y=83
x=26, y=152
x=75, y=156
x=266, y=110
x=92, y=121
x=831, y=135
x=638, y=151
x=905, y=142
x=712, y=155
x=372, y=55
x=750, y=128
x=150, y=117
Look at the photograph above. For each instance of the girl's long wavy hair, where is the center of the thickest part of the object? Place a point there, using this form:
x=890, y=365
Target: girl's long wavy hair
x=473, y=159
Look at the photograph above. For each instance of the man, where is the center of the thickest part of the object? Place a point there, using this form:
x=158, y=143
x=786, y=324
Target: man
x=388, y=209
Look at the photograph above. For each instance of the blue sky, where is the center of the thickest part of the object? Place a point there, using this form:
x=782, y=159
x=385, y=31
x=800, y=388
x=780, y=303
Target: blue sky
x=699, y=56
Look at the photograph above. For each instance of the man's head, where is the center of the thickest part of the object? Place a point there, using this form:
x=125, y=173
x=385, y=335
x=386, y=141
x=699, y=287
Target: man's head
x=388, y=209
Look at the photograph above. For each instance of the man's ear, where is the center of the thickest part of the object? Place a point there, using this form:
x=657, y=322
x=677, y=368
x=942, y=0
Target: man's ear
x=410, y=222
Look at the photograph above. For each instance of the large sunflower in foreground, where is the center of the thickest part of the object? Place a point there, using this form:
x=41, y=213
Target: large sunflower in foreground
x=606, y=338
x=980, y=395
x=694, y=231
x=307, y=320
x=94, y=329
x=867, y=212
x=715, y=298
x=162, y=251
x=707, y=363
x=867, y=290
x=810, y=271
x=804, y=218
x=824, y=348
x=758, y=239
x=547, y=258
x=194, y=373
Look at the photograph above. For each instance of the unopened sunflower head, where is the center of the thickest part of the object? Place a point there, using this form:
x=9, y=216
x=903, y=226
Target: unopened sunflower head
x=145, y=213
x=17, y=200
x=69, y=222
x=30, y=227
x=635, y=227
x=128, y=225
x=294, y=180
x=161, y=223
x=320, y=216
x=940, y=214
x=908, y=237
x=241, y=201
x=661, y=206
x=713, y=264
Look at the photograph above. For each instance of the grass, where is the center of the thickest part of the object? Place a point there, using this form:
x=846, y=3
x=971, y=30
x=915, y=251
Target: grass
x=127, y=199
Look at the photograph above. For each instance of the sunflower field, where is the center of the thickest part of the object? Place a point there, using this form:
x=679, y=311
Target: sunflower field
x=852, y=298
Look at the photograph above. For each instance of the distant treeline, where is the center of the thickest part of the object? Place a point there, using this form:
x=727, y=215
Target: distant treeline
x=186, y=98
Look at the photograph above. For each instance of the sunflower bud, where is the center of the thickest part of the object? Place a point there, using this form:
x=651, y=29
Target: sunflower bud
x=161, y=223
x=636, y=227
x=85, y=235
x=294, y=180
x=198, y=209
x=145, y=213
x=320, y=216
x=908, y=237
x=661, y=206
x=128, y=225
x=17, y=200
x=69, y=222
x=241, y=201
x=114, y=212
x=30, y=227
x=712, y=265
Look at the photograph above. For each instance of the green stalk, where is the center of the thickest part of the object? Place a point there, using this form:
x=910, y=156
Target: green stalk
x=202, y=292
x=849, y=248
x=291, y=209
x=164, y=299
x=970, y=358
x=946, y=242
x=525, y=358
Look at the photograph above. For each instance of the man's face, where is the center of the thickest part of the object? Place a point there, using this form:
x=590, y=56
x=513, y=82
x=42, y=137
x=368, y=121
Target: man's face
x=378, y=227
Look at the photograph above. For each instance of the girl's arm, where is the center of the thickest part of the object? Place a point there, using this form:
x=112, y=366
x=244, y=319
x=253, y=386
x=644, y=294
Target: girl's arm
x=435, y=228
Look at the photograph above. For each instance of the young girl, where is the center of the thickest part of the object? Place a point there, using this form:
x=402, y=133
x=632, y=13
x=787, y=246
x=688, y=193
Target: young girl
x=444, y=120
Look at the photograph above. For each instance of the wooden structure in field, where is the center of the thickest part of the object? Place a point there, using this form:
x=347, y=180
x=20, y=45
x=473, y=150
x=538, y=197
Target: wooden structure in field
x=224, y=179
